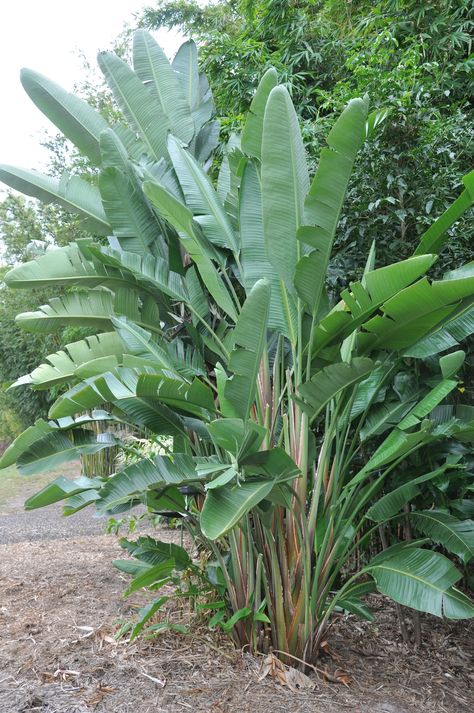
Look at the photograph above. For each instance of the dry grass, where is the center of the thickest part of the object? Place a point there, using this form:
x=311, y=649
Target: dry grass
x=61, y=604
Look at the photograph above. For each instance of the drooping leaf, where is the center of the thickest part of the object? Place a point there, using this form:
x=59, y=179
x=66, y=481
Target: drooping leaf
x=456, y=536
x=422, y=580
x=60, y=489
x=71, y=192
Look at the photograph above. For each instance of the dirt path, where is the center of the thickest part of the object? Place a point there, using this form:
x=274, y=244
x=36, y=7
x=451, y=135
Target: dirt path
x=60, y=602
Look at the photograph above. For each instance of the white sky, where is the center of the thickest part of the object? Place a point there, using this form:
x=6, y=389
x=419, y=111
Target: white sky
x=45, y=35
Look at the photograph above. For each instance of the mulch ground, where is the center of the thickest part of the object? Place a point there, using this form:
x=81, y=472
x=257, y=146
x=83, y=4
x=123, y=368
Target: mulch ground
x=61, y=604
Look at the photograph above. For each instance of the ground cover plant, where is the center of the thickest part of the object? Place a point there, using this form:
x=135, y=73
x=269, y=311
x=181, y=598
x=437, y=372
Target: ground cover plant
x=292, y=428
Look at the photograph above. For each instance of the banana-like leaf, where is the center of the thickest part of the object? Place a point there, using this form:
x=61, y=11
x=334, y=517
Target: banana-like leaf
x=254, y=259
x=285, y=183
x=181, y=218
x=391, y=503
x=66, y=266
x=456, y=536
x=123, y=384
x=70, y=192
x=427, y=404
x=159, y=474
x=249, y=338
x=415, y=311
x=148, y=271
x=185, y=64
x=151, y=414
x=155, y=71
x=60, y=489
x=448, y=335
x=225, y=507
x=76, y=119
x=147, y=549
x=422, y=580
x=63, y=365
x=194, y=398
x=351, y=600
x=201, y=198
x=325, y=199
x=384, y=416
x=433, y=240
x=330, y=382
x=94, y=308
x=451, y=363
x=236, y=436
x=361, y=301
x=253, y=129
x=56, y=447
x=138, y=104
x=170, y=356
x=132, y=221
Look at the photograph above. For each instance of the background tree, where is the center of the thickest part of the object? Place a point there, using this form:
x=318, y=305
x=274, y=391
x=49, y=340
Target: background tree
x=414, y=58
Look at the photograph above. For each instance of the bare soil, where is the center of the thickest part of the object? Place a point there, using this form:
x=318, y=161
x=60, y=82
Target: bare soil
x=61, y=603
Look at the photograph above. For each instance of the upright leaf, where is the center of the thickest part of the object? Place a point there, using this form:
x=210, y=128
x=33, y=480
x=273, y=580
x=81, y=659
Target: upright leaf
x=249, y=339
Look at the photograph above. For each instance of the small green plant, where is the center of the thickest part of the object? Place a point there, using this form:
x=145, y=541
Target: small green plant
x=286, y=415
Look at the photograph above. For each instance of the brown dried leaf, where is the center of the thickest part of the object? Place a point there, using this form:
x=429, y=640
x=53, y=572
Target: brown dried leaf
x=339, y=676
x=284, y=675
x=329, y=651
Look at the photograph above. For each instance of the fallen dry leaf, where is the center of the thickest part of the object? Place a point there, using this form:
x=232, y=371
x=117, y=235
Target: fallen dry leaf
x=329, y=651
x=339, y=676
x=285, y=675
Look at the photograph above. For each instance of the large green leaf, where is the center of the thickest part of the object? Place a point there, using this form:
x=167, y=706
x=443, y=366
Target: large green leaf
x=173, y=356
x=285, y=183
x=60, y=489
x=253, y=129
x=155, y=71
x=225, y=507
x=68, y=266
x=325, y=199
x=391, y=503
x=186, y=66
x=447, y=335
x=76, y=119
x=158, y=474
x=456, y=536
x=361, y=301
x=70, y=192
x=56, y=447
x=62, y=366
x=181, y=218
x=138, y=104
x=151, y=273
x=433, y=240
x=422, y=580
x=249, y=339
x=330, y=382
x=254, y=259
x=201, y=197
x=191, y=398
x=419, y=309
x=93, y=309
x=132, y=221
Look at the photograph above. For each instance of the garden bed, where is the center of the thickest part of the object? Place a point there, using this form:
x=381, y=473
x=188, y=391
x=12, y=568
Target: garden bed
x=61, y=604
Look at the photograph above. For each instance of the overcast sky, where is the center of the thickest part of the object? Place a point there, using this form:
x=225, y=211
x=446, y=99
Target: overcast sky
x=46, y=35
